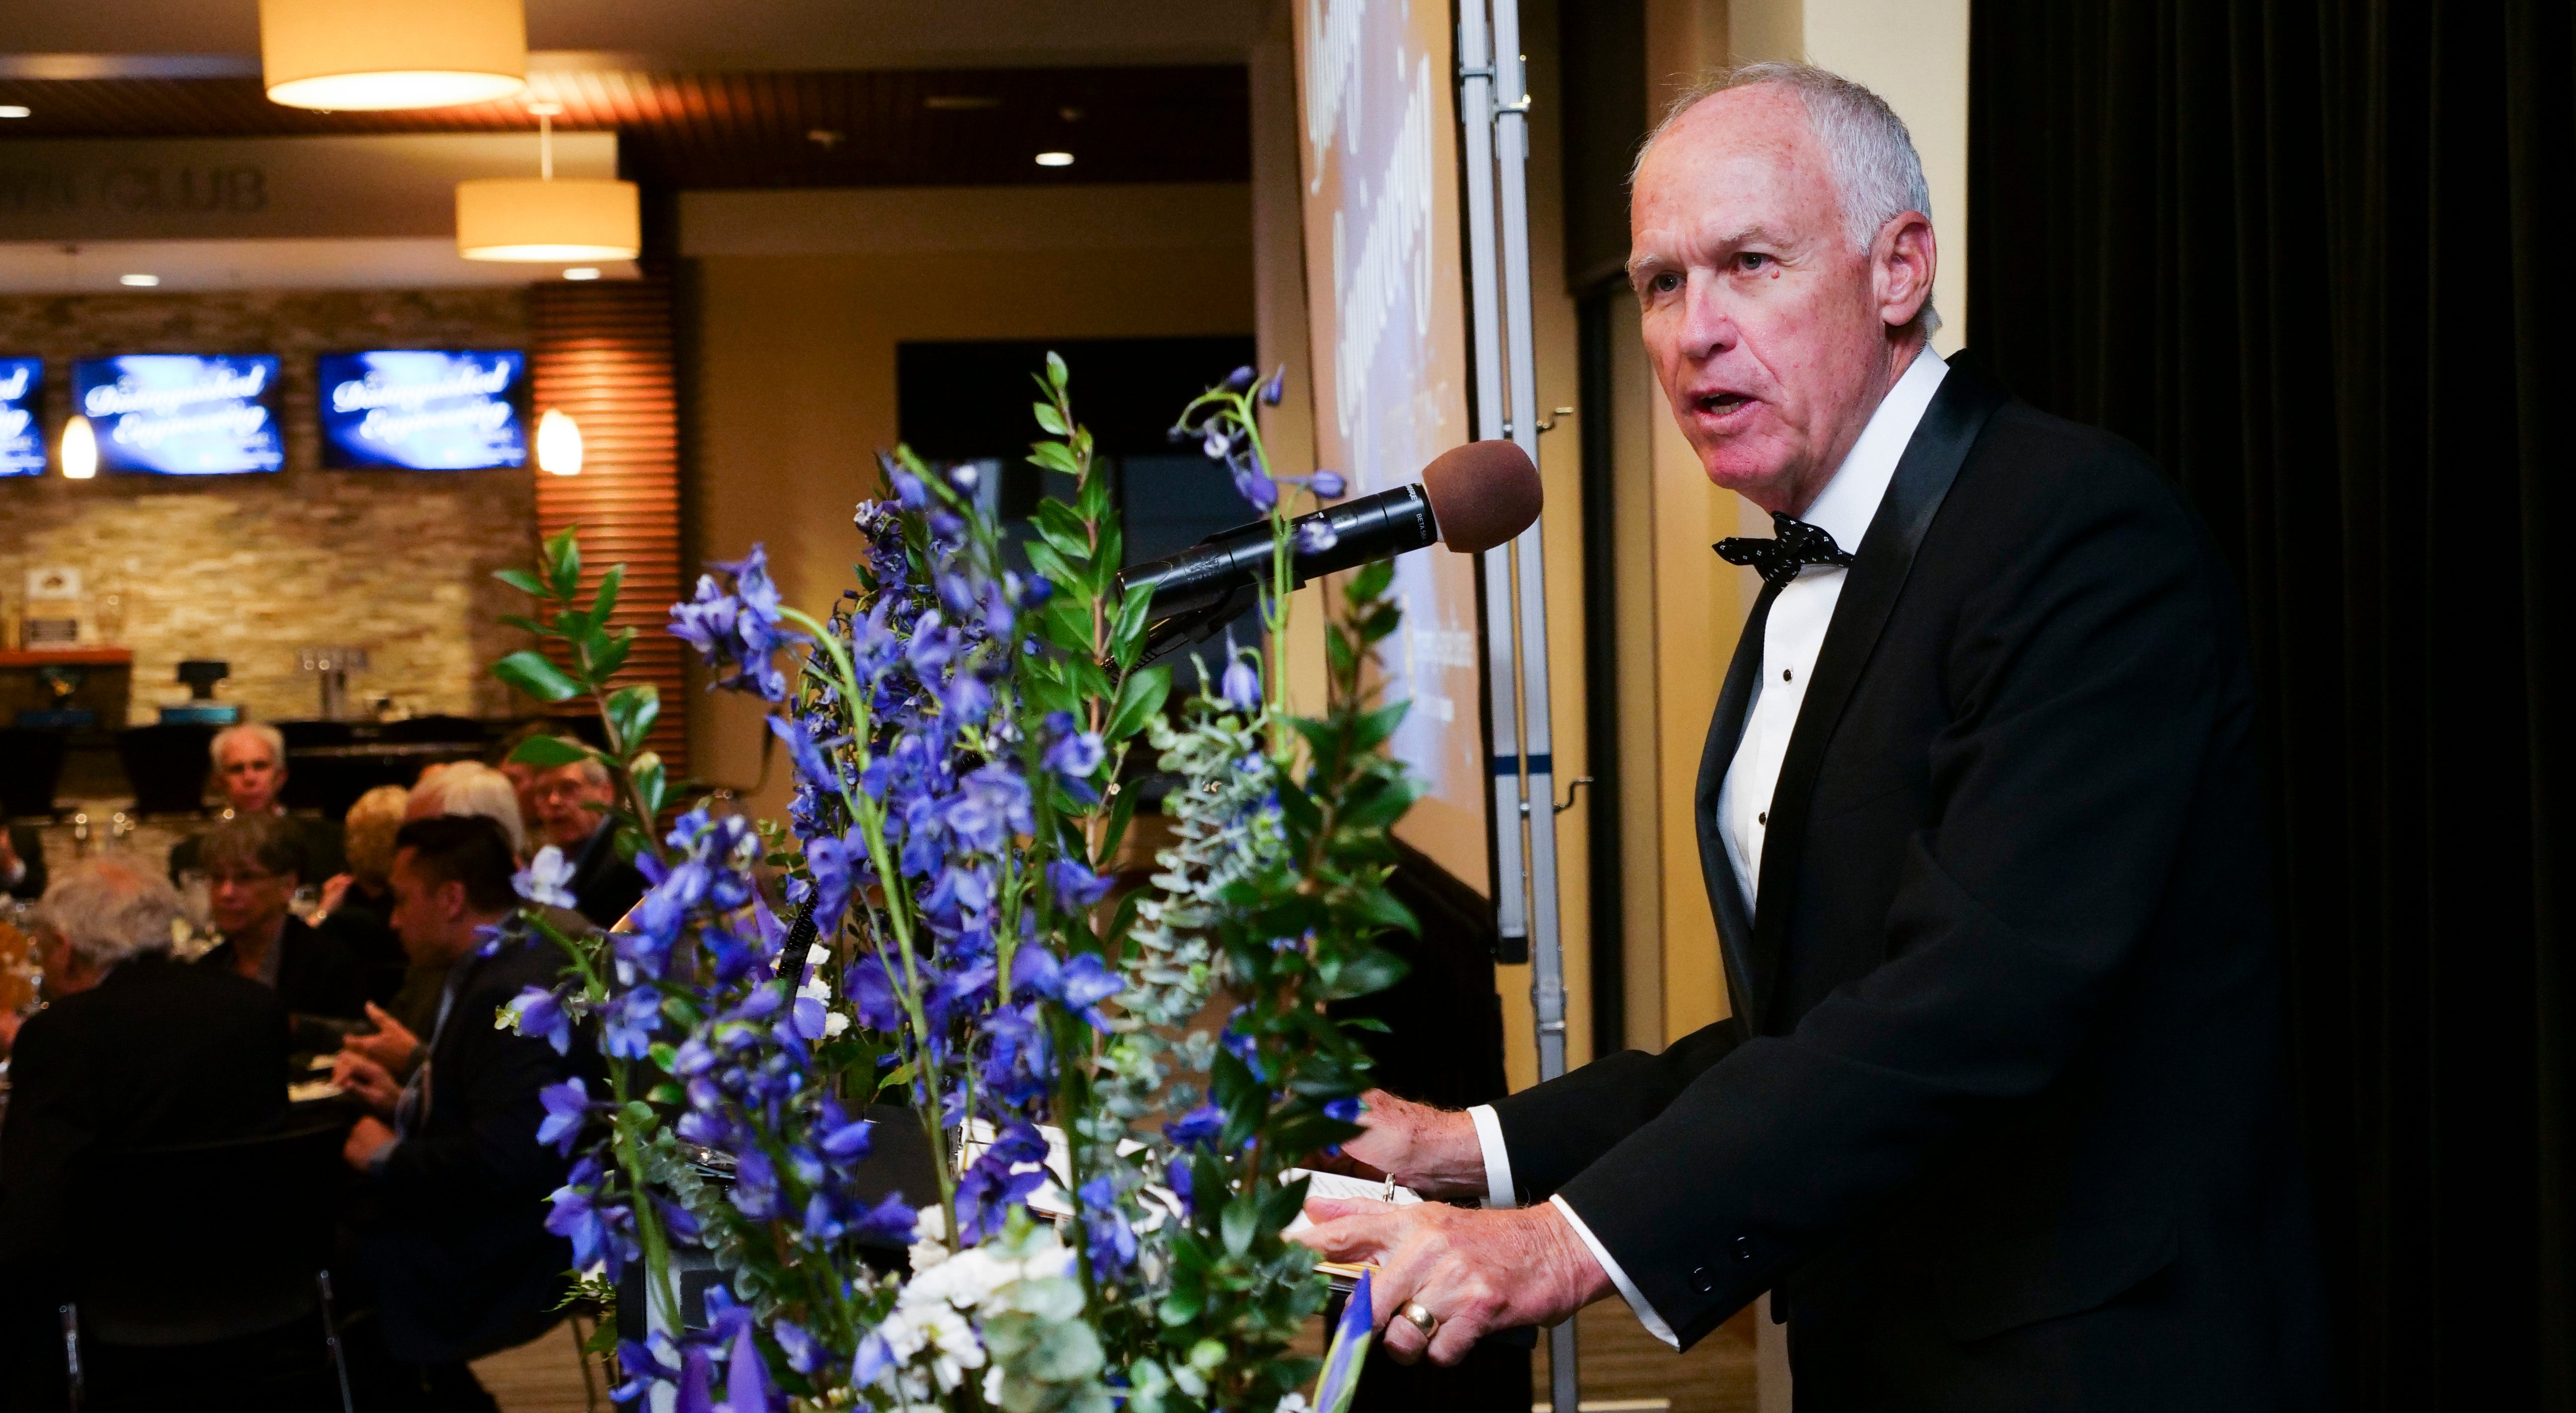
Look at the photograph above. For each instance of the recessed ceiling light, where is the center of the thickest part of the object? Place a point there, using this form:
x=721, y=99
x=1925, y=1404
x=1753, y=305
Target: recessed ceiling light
x=138, y=281
x=16, y=110
x=959, y=102
x=1055, y=159
x=582, y=272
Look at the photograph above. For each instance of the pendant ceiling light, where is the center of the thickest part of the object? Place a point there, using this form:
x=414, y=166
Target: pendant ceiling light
x=575, y=218
x=333, y=54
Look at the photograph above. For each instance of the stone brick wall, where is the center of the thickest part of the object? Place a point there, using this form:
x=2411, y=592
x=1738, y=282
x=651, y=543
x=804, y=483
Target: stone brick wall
x=249, y=569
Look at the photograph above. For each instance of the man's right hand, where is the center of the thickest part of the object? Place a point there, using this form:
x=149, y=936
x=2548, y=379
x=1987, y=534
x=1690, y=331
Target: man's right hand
x=1433, y=1151
x=392, y=1047
x=365, y=1078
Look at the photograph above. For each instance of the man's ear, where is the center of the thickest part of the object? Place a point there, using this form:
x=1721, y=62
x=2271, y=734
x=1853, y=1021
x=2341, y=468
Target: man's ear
x=1903, y=261
x=451, y=898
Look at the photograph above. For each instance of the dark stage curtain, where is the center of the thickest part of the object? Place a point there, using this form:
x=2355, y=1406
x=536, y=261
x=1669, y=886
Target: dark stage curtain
x=2313, y=257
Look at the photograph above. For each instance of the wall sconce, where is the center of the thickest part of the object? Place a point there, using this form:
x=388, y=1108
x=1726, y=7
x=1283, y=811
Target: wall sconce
x=558, y=443
x=80, y=449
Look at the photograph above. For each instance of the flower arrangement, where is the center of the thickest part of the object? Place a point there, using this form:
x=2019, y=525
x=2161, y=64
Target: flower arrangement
x=1109, y=1083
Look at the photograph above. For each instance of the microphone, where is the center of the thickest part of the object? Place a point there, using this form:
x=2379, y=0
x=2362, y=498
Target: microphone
x=1471, y=498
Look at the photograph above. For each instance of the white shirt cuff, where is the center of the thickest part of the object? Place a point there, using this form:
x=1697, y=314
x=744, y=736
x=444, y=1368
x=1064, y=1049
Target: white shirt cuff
x=1499, y=1192
x=1644, y=1312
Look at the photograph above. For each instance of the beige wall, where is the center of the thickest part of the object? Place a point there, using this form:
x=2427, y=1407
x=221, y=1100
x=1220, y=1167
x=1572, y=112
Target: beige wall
x=1914, y=53
x=800, y=300
x=250, y=569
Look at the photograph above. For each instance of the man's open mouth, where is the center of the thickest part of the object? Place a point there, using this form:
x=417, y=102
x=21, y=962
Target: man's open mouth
x=1720, y=404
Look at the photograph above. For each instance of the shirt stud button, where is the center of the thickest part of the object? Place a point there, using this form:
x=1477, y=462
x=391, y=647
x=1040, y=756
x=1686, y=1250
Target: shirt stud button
x=1784, y=674
x=1763, y=819
x=1744, y=1248
x=1703, y=1280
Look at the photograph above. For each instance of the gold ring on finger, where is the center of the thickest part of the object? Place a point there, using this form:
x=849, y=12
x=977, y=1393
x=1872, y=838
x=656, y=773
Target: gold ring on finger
x=1421, y=1317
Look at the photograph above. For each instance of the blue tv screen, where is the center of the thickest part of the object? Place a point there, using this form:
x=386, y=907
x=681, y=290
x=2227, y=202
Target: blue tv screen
x=22, y=440
x=423, y=410
x=181, y=414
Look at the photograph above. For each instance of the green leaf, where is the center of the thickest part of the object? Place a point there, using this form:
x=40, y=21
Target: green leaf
x=896, y=1078
x=1139, y=697
x=1121, y=810
x=631, y=712
x=521, y=580
x=1054, y=456
x=547, y=752
x=1370, y=584
x=1366, y=974
x=604, y=602
x=563, y=563
x=1050, y=419
x=1242, y=1221
x=1057, y=377
x=646, y=772
x=528, y=671
x=666, y=1093
x=1044, y=559
x=604, y=662
x=1063, y=529
x=524, y=624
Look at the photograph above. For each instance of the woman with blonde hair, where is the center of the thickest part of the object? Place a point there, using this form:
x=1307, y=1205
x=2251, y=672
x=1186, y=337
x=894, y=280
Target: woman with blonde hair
x=358, y=905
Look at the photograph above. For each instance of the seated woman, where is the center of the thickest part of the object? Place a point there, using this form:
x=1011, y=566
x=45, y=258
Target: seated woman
x=250, y=863
x=358, y=906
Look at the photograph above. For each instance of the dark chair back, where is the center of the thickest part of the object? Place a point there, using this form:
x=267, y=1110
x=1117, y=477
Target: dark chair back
x=31, y=765
x=167, y=766
x=316, y=782
x=208, y=1241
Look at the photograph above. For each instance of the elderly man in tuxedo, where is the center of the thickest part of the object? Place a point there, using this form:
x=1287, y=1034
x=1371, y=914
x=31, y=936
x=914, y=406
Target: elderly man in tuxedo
x=1999, y=1118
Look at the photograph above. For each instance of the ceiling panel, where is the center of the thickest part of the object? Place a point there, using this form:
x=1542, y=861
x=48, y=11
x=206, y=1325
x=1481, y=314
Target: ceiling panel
x=723, y=130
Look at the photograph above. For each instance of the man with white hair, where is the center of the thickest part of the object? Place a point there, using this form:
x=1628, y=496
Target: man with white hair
x=133, y=1050
x=1999, y=1118
x=572, y=815
x=250, y=763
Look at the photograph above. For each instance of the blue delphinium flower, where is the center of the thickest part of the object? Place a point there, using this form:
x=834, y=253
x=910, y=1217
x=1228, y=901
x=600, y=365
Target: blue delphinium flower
x=1241, y=686
x=539, y=1012
x=567, y=1107
x=733, y=621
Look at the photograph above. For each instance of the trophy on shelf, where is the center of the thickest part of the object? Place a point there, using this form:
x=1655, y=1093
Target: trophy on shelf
x=201, y=708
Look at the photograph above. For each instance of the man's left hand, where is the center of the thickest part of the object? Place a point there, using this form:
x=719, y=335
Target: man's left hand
x=1476, y=1272
x=367, y=1138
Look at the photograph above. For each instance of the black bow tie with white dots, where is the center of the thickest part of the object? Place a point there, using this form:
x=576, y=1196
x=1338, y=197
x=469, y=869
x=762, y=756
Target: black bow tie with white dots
x=1799, y=545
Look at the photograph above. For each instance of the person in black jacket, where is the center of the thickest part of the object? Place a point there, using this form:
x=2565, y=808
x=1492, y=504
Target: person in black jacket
x=1999, y=1119
x=250, y=763
x=452, y=1231
x=134, y=1050
x=572, y=816
x=250, y=863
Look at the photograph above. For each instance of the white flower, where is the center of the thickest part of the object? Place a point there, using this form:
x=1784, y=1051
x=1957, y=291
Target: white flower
x=1293, y=1403
x=547, y=878
x=834, y=1023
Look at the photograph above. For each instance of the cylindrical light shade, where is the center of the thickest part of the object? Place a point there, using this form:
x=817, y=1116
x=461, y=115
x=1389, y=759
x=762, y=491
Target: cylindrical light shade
x=80, y=449
x=392, y=53
x=558, y=443
x=513, y=218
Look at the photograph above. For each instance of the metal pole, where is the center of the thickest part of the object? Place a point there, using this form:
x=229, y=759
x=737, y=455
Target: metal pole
x=1494, y=107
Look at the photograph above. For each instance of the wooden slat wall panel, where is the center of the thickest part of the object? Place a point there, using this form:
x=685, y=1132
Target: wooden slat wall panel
x=603, y=354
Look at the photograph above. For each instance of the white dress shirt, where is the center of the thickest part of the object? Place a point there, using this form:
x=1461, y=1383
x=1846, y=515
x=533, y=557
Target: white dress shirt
x=1791, y=637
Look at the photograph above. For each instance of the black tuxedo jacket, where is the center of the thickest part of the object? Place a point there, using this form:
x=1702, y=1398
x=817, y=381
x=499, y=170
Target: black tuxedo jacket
x=453, y=1221
x=157, y=1054
x=604, y=886
x=316, y=976
x=2000, y=1116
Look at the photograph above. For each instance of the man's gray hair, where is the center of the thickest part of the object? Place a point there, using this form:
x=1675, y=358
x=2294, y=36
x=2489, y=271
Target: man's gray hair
x=259, y=731
x=1877, y=172
x=110, y=911
x=471, y=788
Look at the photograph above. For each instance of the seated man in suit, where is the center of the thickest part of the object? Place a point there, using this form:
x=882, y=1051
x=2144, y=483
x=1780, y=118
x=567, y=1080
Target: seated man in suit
x=572, y=804
x=250, y=863
x=22, y=862
x=452, y=1226
x=136, y=1050
x=250, y=762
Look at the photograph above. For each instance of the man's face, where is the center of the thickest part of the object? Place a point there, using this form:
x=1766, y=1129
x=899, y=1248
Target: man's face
x=1768, y=331
x=564, y=805
x=251, y=775
x=246, y=898
x=427, y=915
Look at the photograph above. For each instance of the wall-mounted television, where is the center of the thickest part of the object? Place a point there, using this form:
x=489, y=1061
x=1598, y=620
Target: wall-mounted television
x=22, y=436
x=423, y=410
x=181, y=414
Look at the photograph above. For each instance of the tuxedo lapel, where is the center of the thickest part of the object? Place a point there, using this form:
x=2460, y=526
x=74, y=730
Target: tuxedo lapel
x=1941, y=442
x=1725, y=730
